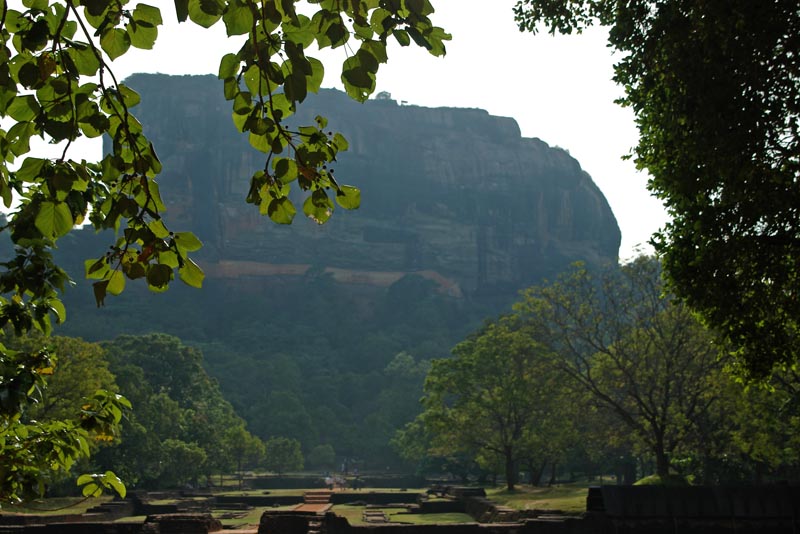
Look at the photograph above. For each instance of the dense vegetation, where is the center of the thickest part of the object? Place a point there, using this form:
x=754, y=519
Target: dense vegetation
x=289, y=369
x=715, y=88
x=605, y=372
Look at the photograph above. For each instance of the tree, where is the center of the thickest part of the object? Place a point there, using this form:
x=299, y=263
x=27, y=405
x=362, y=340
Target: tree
x=715, y=87
x=487, y=399
x=244, y=448
x=322, y=457
x=638, y=352
x=181, y=462
x=282, y=455
x=56, y=83
x=175, y=401
x=37, y=453
x=80, y=370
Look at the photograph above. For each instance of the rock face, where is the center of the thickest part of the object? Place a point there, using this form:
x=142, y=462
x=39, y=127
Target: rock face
x=455, y=195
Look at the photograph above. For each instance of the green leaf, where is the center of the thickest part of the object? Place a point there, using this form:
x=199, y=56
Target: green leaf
x=57, y=307
x=402, y=37
x=348, y=197
x=314, y=81
x=187, y=242
x=158, y=228
x=93, y=489
x=116, y=283
x=295, y=87
x=281, y=210
x=340, y=142
x=417, y=7
x=19, y=137
x=238, y=19
x=261, y=142
x=54, y=219
x=182, y=10
x=159, y=276
x=229, y=66
x=84, y=479
x=191, y=274
x=84, y=59
x=113, y=481
x=142, y=36
x=130, y=97
x=115, y=42
x=24, y=108
x=317, y=210
x=147, y=14
x=285, y=169
x=381, y=21
x=376, y=50
x=99, y=289
x=206, y=13
x=30, y=170
x=242, y=104
x=96, y=269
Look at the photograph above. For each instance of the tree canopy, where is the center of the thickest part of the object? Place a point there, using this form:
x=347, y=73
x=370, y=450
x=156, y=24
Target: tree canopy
x=715, y=87
x=491, y=399
x=635, y=351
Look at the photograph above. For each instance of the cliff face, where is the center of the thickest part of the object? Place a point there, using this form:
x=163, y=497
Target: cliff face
x=455, y=195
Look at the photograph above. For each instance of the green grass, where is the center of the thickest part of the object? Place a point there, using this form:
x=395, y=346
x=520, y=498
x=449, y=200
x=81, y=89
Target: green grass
x=354, y=516
x=430, y=519
x=570, y=499
x=55, y=506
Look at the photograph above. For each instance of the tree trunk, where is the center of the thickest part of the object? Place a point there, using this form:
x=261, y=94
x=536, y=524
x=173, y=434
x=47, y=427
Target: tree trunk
x=511, y=475
x=662, y=463
x=536, y=475
x=552, y=480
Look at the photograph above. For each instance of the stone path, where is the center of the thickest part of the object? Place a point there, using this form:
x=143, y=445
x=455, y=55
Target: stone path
x=315, y=501
x=375, y=516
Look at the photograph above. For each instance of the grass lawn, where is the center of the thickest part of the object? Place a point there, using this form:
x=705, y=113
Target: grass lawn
x=429, y=519
x=570, y=499
x=354, y=515
x=55, y=505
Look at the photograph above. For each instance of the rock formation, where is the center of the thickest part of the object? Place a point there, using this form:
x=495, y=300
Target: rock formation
x=454, y=195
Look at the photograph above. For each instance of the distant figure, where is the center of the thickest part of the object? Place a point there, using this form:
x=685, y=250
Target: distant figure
x=329, y=482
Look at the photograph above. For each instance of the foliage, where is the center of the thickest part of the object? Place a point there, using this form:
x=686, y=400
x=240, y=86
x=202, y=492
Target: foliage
x=321, y=457
x=715, y=87
x=36, y=453
x=243, y=449
x=179, y=413
x=487, y=399
x=282, y=455
x=639, y=354
x=301, y=375
x=181, y=463
x=80, y=369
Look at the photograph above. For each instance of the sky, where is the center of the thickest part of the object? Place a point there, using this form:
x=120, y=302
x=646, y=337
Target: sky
x=558, y=89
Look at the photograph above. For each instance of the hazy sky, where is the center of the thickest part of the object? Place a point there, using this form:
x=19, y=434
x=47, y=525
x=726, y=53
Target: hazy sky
x=558, y=89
